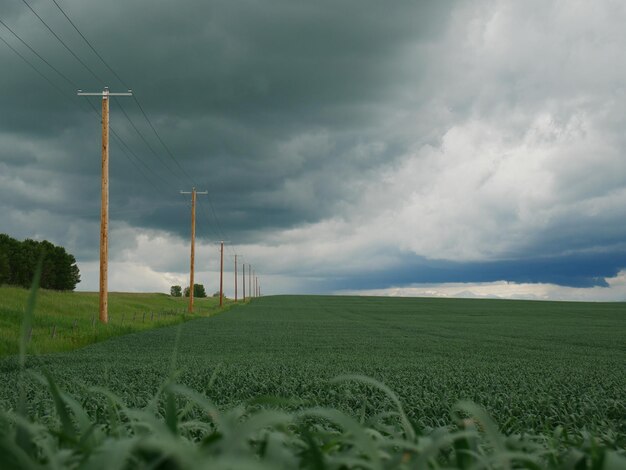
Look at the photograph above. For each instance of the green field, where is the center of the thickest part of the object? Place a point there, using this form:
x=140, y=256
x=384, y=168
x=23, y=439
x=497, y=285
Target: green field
x=68, y=320
x=538, y=368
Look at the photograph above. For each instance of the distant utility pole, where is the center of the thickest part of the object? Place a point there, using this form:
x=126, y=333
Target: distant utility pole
x=235, y=278
x=250, y=281
x=104, y=210
x=243, y=279
x=221, y=273
x=193, y=241
x=256, y=286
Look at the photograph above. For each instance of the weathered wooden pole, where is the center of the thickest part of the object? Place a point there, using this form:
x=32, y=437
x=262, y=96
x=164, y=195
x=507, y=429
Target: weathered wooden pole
x=193, y=243
x=104, y=206
x=104, y=214
x=221, y=273
x=193, y=248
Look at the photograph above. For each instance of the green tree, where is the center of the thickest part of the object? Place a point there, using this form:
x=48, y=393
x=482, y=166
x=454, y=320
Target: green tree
x=5, y=269
x=176, y=291
x=198, y=291
x=19, y=259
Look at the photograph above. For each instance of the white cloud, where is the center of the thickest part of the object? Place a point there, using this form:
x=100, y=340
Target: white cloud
x=509, y=130
x=615, y=292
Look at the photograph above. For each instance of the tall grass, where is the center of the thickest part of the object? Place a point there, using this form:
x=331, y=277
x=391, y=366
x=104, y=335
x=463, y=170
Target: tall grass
x=64, y=321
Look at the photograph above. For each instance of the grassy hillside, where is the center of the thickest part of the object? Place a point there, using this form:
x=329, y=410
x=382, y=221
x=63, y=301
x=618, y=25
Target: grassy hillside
x=68, y=320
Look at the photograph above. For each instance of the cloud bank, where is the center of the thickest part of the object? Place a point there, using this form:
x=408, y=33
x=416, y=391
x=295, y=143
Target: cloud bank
x=346, y=147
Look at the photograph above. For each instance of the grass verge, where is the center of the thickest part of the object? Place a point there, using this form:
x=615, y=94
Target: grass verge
x=64, y=321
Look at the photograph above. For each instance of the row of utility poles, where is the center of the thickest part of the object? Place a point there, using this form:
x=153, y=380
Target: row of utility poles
x=251, y=273
x=104, y=225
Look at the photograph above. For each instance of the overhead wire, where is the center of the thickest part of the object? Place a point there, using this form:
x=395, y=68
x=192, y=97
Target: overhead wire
x=93, y=49
x=146, y=117
x=62, y=75
x=142, y=137
x=54, y=85
x=58, y=89
x=63, y=43
x=77, y=58
x=124, y=146
x=122, y=81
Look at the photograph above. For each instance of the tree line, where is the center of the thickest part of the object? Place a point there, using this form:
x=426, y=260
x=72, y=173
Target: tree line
x=198, y=291
x=18, y=261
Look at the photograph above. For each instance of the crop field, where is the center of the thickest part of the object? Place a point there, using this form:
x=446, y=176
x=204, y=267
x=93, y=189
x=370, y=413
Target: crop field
x=548, y=369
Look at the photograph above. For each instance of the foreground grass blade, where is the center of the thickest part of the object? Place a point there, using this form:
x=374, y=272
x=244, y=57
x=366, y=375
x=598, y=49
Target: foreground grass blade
x=29, y=313
x=406, y=424
x=23, y=438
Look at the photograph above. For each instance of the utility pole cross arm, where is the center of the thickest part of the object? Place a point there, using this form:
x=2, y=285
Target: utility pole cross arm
x=105, y=93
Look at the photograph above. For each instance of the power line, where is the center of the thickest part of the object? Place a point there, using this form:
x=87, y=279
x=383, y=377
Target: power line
x=161, y=141
x=38, y=55
x=145, y=115
x=141, y=108
x=54, y=85
x=64, y=95
x=145, y=140
x=217, y=222
x=126, y=151
x=63, y=43
x=93, y=49
x=90, y=46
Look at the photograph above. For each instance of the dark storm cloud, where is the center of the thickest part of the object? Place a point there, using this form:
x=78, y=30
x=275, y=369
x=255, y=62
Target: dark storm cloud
x=581, y=270
x=294, y=113
x=227, y=84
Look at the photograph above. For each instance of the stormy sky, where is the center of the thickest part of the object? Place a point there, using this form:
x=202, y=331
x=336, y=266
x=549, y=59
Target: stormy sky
x=401, y=148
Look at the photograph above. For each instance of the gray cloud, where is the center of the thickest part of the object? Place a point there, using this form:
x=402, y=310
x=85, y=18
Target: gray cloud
x=339, y=134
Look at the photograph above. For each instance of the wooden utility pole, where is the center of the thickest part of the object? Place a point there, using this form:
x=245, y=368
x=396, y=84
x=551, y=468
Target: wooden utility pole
x=250, y=281
x=235, y=278
x=256, y=286
x=104, y=207
x=221, y=273
x=193, y=242
x=243, y=281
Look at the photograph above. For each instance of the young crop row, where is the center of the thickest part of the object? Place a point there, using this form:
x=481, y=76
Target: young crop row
x=552, y=376
x=180, y=428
